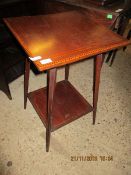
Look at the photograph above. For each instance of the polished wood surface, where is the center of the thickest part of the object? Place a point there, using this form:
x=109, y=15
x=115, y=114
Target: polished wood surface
x=68, y=103
x=64, y=37
x=100, y=16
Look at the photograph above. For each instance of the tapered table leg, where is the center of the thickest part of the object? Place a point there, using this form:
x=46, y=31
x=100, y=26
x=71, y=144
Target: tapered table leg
x=113, y=57
x=51, y=89
x=67, y=72
x=26, y=81
x=103, y=57
x=97, y=69
x=109, y=56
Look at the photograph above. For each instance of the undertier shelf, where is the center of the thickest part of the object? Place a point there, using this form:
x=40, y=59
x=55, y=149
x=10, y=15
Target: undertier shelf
x=68, y=104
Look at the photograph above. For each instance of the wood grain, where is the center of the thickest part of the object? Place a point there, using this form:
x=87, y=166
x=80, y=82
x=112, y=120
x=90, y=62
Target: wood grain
x=64, y=37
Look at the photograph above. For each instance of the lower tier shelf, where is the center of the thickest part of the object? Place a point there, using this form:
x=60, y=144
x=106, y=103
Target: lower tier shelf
x=68, y=104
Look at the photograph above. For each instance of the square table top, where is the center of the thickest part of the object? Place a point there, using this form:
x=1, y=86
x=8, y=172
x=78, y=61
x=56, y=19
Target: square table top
x=63, y=38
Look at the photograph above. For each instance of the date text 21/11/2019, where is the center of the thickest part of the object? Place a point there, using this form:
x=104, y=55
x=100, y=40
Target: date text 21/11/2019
x=92, y=158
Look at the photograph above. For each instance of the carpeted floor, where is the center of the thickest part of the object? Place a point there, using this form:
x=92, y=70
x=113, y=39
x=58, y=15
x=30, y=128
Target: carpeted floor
x=78, y=148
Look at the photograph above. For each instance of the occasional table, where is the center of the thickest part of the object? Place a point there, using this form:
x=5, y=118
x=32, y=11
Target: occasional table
x=57, y=40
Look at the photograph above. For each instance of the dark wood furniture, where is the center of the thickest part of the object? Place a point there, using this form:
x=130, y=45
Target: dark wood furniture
x=65, y=38
x=13, y=61
x=11, y=56
x=129, y=34
x=122, y=22
x=101, y=2
x=128, y=37
x=11, y=67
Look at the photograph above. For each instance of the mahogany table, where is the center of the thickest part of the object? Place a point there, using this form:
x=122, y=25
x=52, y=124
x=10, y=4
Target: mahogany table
x=59, y=40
